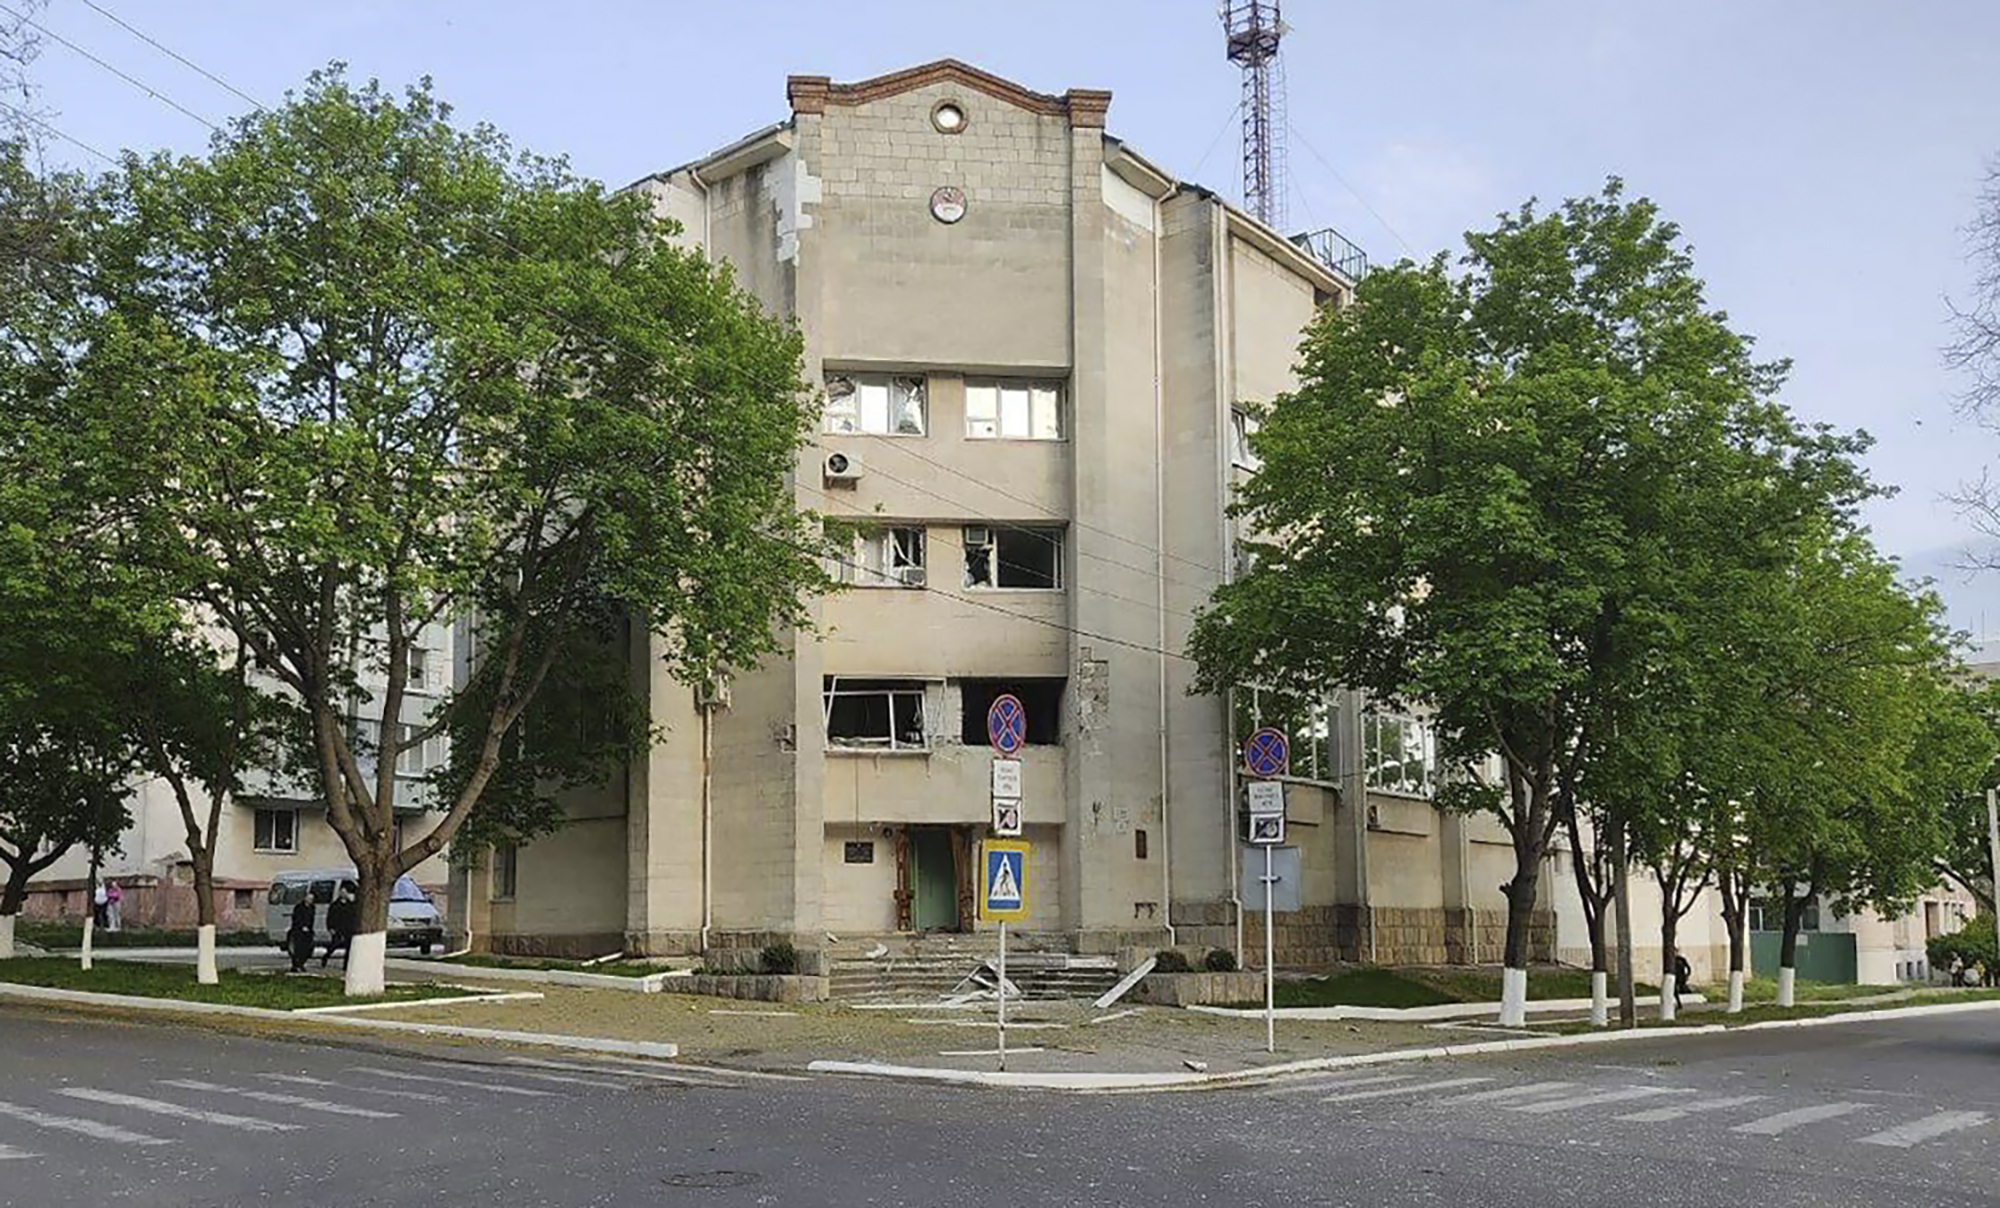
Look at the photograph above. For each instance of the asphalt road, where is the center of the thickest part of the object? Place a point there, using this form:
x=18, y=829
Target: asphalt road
x=1893, y=1113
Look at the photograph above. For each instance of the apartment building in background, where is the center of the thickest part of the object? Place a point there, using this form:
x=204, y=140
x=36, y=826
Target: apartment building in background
x=277, y=824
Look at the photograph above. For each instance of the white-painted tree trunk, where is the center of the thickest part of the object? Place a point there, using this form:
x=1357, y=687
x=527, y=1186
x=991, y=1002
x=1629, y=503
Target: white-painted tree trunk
x=1600, y=999
x=1513, y=997
x=1667, y=1004
x=204, y=955
x=6, y=937
x=1735, y=991
x=89, y=928
x=1786, y=975
x=367, y=974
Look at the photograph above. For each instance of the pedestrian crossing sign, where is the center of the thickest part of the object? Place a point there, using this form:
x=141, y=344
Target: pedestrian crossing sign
x=1003, y=893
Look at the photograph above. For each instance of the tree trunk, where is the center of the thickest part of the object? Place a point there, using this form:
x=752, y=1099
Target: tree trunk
x=1669, y=926
x=1628, y=1002
x=90, y=911
x=204, y=906
x=1600, y=969
x=1735, y=911
x=11, y=899
x=1593, y=893
x=1788, y=945
x=368, y=950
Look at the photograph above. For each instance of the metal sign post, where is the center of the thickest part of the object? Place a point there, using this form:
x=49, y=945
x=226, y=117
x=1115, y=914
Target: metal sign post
x=1267, y=754
x=1003, y=898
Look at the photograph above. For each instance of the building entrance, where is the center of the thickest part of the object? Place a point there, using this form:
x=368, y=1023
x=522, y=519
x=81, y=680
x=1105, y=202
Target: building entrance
x=934, y=879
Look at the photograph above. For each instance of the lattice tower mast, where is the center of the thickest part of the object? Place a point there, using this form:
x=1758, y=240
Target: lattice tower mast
x=1253, y=30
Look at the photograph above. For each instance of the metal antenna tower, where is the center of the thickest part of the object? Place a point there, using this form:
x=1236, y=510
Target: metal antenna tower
x=1253, y=30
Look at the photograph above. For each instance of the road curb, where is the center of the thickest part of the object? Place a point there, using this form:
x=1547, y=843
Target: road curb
x=1153, y=1083
x=651, y=983
x=579, y=1044
x=1441, y=1011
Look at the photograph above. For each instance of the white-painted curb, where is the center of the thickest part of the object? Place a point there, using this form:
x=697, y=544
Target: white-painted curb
x=1450, y=1010
x=1104, y=1082
x=343, y=1008
x=585, y=1044
x=651, y=983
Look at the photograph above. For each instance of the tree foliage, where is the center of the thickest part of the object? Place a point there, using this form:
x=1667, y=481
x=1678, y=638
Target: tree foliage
x=1495, y=495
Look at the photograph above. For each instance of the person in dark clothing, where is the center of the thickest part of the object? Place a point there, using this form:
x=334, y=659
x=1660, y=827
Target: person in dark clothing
x=341, y=918
x=299, y=939
x=1683, y=973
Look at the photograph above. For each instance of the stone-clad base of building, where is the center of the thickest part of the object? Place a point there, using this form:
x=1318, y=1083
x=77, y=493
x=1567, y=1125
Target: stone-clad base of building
x=1320, y=936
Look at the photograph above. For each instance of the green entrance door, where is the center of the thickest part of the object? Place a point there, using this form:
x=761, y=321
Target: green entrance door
x=935, y=880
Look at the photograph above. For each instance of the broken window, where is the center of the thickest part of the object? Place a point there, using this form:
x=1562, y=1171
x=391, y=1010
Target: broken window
x=1242, y=426
x=1400, y=753
x=883, y=715
x=1041, y=700
x=1013, y=410
x=886, y=557
x=875, y=404
x=1025, y=558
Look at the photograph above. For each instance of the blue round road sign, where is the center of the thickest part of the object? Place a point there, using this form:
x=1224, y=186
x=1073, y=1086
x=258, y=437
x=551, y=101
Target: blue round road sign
x=1267, y=752
x=1007, y=724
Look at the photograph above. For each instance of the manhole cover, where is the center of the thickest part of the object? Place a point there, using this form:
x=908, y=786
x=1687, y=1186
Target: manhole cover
x=711, y=1179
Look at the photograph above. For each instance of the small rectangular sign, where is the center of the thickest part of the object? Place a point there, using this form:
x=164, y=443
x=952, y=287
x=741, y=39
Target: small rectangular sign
x=1267, y=797
x=1006, y=817
x=1267, y=830
x=1003, y=884
x=1007, y=778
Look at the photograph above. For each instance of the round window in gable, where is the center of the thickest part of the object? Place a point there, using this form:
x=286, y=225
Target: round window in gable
x=948, y=117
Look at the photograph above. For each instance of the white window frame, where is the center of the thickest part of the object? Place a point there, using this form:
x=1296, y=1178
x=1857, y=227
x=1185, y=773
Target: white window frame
x=507, y=856
x=970, y=537
x=416, y=762
x=273, y=848
x=876, y=404
x=891, y=556
x=420, y=662
x=1375, y=768
x=1014, y=409
x=1243, y=424
x=891, y=741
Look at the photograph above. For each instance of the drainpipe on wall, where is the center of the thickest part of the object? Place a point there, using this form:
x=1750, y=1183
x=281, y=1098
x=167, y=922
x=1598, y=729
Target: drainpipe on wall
x=1219, y=241
x=1160, y=568
x=707, y=824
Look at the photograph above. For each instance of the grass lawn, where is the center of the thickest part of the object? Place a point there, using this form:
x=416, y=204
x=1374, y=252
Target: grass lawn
x=70, y=935
x=1804, y=1010
x=1765, y=990
x=279, y=991
x=475, y=960
x=1373, y=986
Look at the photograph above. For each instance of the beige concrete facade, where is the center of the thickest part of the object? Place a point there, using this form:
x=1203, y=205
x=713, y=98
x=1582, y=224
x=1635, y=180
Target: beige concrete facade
x=944, y=232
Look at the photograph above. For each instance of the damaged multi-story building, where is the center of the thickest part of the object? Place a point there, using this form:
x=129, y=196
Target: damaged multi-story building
x=1041, y=354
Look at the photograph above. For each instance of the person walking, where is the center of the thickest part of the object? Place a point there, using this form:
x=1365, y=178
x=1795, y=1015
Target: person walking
x=341, y=918
x=114, y=907
x=299, y=939
x=100, y=905
x=1683, y=973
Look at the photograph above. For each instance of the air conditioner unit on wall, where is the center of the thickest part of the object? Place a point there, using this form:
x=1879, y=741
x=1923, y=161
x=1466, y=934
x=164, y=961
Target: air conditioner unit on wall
x=912, y=576
x=842, y=467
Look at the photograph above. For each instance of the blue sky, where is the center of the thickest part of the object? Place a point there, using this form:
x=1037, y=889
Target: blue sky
x=1822, y=155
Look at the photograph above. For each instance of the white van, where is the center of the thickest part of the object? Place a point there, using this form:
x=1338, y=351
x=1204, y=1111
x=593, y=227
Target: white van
x=414, y=921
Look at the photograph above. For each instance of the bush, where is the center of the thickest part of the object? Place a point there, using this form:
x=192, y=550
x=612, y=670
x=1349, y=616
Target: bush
x=780, y=957
x=1170, y=960
x=1219, y=960
x=1967, y=949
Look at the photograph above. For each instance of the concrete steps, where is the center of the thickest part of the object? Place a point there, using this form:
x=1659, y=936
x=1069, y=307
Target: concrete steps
x=919, y=968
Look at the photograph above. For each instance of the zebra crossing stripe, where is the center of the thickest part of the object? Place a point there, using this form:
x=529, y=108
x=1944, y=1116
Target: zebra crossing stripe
x=1771, y=1126
x=1416, y=1089
x=9, y=1154
x=405, y=1076
x=160, y=1107
x=1525, y=1091
x=303, y=1080
x=283, y=1100
x=1660, y=1115
x=599, y=1083
x=1905, y=1135
x=1595, y=1098
x=1334, y=1084
x=89, y=1128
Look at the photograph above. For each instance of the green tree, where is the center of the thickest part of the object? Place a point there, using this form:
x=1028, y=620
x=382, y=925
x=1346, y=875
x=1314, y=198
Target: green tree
x=1967, y=858
x=393, y=374
x=1479, y=499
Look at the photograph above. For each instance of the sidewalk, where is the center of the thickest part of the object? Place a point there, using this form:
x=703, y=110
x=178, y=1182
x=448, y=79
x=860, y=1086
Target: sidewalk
x=1041, y=1036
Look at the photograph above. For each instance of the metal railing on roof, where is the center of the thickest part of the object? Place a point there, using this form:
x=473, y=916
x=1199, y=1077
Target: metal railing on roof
x=1336, y=251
